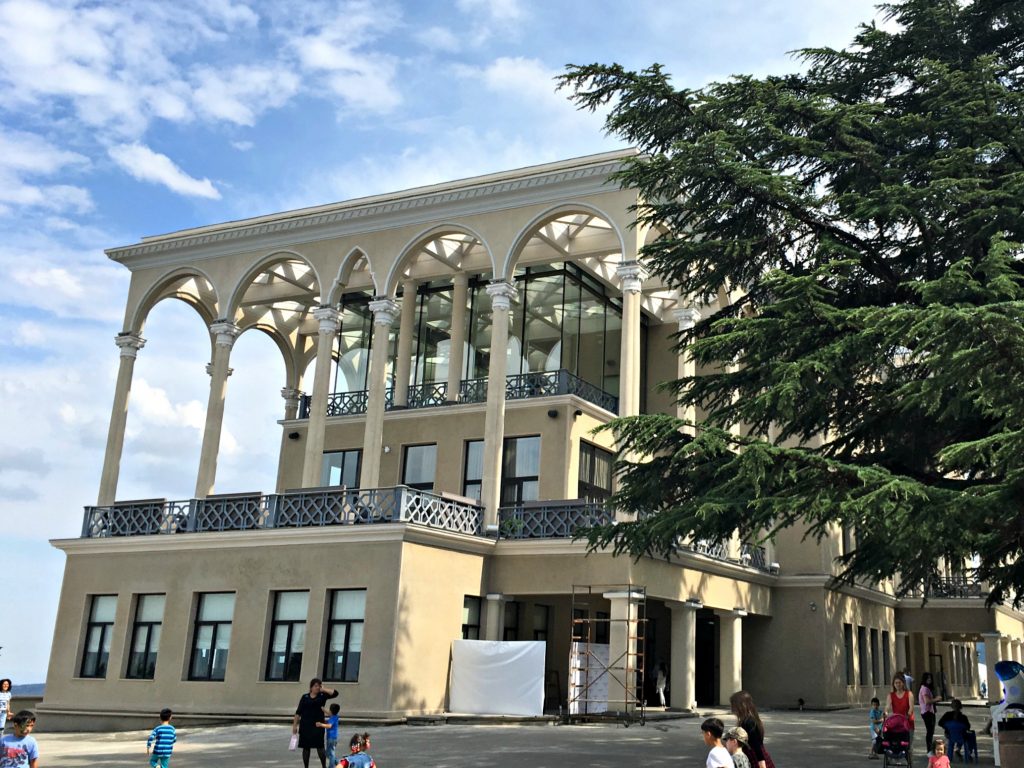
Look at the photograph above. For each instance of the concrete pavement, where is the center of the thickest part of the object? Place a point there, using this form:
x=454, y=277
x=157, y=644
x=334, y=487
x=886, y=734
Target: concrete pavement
x=796, y=740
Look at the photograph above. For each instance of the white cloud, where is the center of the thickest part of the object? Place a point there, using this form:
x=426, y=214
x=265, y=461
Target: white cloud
x=242, y=146
x=146, y=165
x=54, y=279
x=499, y=10
x=438, y=39
x=24, y=157
x=29, y=334
x=240, y=94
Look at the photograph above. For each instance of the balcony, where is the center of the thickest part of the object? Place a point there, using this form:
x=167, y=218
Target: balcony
x=310, y=507
x=521, y=386
x=951, y=587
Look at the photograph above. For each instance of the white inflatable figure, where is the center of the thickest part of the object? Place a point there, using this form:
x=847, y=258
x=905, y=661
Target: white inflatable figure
x=1011, y=675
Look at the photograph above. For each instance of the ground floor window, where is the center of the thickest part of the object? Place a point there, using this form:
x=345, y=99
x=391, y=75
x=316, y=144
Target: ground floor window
x=341, y=468
x=97, y=635
x=287, y=635
x=149, y=616
x=212, y=637
x=862, y=654
x=886, y=657
x=541, y=619
x=345, y=635
x=471, y=618
x=848, y=652
x=511, y=620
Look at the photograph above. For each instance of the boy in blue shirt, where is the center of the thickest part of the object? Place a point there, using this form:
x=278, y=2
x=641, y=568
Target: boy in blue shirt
x=332, y=734
x=876, y=715
x=19, y=750
x=161, y=741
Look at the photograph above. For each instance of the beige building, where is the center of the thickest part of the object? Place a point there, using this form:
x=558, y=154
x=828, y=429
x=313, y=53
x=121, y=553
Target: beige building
x=454, y=476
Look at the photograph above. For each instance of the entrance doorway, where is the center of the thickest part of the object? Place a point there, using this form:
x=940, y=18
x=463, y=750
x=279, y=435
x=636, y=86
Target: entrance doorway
x=706, y=658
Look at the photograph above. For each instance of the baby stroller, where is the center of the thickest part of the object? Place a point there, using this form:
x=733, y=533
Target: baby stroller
x=896, y=741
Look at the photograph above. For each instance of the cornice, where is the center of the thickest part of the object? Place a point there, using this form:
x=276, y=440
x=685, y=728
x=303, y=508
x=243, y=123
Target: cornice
x=278, y=537
x=824, y=581
x=513, y=189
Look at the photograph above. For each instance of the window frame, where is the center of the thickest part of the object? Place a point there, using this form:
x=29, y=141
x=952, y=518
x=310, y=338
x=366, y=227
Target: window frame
x=148, y=626
x=421, y=486
x=510, y=631
x=886, y=656
x=106, y=629
x=471, y=631
x=331, y=624
x=863, y=652
x=518, y=481
x=848, y=653
x=217, y=626
x=541, y=634
x=324, y=470
x=275, y=623
x=584, y=484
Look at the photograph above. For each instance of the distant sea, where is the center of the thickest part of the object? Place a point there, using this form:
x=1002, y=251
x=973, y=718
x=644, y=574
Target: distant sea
x=32, y=689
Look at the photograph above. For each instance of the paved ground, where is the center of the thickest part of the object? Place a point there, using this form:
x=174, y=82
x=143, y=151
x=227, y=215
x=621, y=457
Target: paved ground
x=796, y=740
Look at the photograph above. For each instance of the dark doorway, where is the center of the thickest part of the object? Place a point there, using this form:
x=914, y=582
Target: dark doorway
x=706, y=658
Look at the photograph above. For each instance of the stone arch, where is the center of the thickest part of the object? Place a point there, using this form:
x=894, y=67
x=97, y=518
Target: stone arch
x=284, y=345
x=262, y=265
x=390, y=285
x=554, y=213
x=188, y=284
x=348, y=265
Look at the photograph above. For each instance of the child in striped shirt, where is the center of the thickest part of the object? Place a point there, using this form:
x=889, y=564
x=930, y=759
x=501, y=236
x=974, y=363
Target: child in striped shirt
x=160, y=743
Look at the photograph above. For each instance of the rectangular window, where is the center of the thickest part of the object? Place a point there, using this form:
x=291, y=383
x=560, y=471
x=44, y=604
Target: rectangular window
x=149, y=617
x=848, y=651
x=97, y=635
x=212, y=637
x=595, y=480
x=345, y=635
x=886, y=657
x=875, y=658
x=474, y=472
x=520, y=469
x=341, y=468
x=419, y=467
x=470, y=618
x=287, y=636
x=541, y=616
x=602, y=627
x=862, y=654
x=511, y=621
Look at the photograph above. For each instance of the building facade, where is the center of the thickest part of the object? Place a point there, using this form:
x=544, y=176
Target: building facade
x=448, y=353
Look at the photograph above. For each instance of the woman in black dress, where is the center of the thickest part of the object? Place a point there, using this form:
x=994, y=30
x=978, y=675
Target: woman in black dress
x=310, y=712
x=742, y=705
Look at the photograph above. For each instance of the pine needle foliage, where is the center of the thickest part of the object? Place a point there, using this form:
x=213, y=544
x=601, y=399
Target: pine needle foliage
x=866, y=216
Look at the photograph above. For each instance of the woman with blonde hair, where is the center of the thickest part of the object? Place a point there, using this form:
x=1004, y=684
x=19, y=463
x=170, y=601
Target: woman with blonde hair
x=742, y=704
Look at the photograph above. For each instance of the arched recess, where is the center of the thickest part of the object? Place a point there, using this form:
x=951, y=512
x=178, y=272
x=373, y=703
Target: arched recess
x=280, y=276
x=189, y=285
x=444, y=249
x=575, y=231
x=287, y=349
x=354, y=271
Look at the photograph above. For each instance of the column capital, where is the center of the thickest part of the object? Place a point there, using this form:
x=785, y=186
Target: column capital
x=227, y=371
x=291, y=394
x=129, y=343
x=496, y=597
x=225, y=332
x=329, y=319
x=632, y=274
x=901, y=634
x=460, y=278
x=687, y=317
x=384, y=309
x=502, y=294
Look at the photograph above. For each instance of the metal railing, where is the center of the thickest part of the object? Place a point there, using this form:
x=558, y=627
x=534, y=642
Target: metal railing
x=551, y=519
x=523, y=386
x=428, y=395
x=292, y=509
x=346, y=403
x=951, y=587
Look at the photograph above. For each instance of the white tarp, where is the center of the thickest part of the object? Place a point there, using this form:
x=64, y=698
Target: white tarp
x=588, y=678
x=497, y=678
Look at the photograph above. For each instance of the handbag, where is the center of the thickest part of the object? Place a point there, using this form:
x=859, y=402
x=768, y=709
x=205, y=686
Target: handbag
x=293, y=742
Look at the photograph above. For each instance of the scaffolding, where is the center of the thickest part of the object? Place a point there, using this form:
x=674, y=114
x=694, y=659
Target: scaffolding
x=606, y=654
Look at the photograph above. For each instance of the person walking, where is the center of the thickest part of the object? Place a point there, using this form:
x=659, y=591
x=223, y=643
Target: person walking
x=901, y=701
x=5, y=701
x=747, y=718
x=661, y=682
x=926, y=703
x=160, y=743
x=308, y=715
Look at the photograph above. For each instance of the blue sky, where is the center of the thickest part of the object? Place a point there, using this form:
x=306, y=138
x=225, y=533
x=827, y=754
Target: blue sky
x=119, y=120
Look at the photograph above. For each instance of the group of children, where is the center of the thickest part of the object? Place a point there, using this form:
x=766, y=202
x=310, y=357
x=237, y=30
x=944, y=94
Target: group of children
x=726, y=746
x=358, y=745
x=937, y=758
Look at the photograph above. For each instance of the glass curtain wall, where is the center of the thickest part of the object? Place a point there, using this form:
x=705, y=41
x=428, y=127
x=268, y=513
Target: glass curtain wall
x=432, y=334
x=355, y=335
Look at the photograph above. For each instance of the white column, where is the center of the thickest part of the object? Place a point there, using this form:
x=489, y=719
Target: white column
x=632, y=275
x=901, y=653
x=403, y=362
x=686, y=367
x=993, y=653
x=384, y=312
x=501, y=294
x=313, y=456
x=949, y=661
x=129, y=343
x=683, y=671
x=457, y=334
x=730, y=630
x=225, y=333
x=292, y=397
x=494, y=619
x=1016, y=643
x=622, y=651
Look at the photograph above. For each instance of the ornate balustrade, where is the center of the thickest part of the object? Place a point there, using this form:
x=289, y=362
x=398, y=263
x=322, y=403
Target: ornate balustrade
x=550, y=519
x=523, y=386
x=428, y=395
x=292, y=509
x=951, y=587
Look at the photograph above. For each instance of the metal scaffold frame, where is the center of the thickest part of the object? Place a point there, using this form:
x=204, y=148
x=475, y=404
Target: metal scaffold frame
x=602, y=686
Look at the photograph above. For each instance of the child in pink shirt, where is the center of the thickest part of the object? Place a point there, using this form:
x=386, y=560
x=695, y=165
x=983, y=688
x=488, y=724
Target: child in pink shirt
x=939, y=758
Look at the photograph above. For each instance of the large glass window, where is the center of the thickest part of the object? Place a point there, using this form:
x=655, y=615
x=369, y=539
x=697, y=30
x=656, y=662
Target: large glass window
x=97, y=635
x=541, y=619
x=212, y=637
x=149, y=617
x=862, y=654
x=355, y=336
x=848, y=652
x=474, y=469
x=886, y=657
x=432, y=334
x=470, y=618
x=345, y=635
x=512, y=610
x=287, y=636
x=341, y=468
x=520, y=470
x=420, y=466
x=595, y=481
